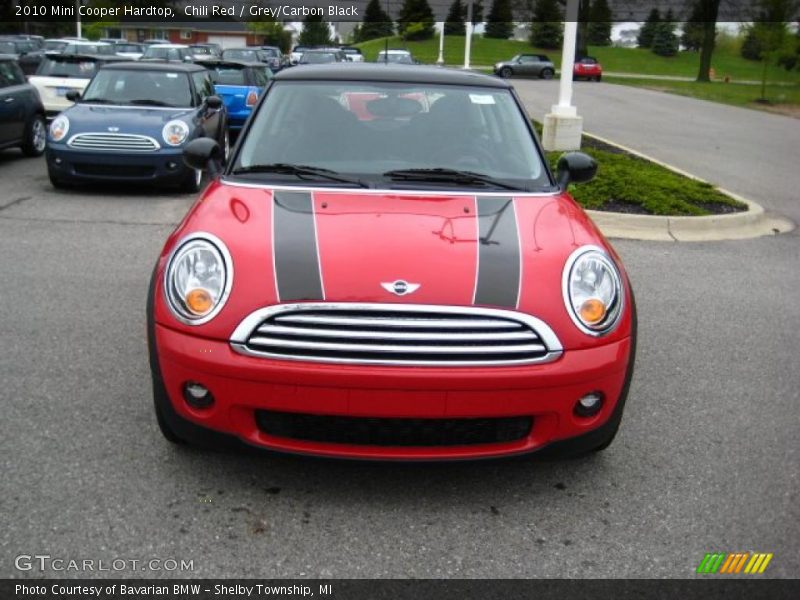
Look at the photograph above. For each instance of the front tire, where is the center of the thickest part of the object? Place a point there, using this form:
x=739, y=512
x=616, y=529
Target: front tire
x=35, y=137
x=547, y=74
x=506, y=72
x=598, y=78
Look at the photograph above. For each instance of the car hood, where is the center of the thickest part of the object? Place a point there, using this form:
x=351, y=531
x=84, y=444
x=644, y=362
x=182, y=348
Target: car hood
x=291, y=244
x=88, y=117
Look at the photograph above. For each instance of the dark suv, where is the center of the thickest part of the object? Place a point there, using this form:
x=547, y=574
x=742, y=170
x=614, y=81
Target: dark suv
x=21, y=112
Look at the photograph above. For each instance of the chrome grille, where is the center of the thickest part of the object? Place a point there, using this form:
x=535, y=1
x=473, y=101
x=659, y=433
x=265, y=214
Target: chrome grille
x=127, y=142
x=396, y=334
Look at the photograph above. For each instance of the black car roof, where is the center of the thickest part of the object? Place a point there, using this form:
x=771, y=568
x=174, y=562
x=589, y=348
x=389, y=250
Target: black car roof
x=389, y=73
x=157, y=66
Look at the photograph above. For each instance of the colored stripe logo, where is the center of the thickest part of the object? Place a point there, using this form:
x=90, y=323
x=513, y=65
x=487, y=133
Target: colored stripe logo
x=749, y=563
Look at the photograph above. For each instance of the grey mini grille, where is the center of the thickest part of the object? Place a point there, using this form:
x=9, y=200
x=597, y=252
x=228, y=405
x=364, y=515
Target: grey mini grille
x=396, y=334
x=113, y=141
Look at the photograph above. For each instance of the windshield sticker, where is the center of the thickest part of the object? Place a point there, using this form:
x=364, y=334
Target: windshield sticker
x=481, y=98
x=172, y=75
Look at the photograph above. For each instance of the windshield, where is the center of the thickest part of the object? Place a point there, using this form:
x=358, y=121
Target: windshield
x=55, y=45
x=153, y=88
x=249, y=55
x=227, y=75
x=64, y=67
x=164, y=53
x=129, y=48
x=7, y=48
x=367, y=130
x=317, y=57
x=271, y=52
x=395, y=57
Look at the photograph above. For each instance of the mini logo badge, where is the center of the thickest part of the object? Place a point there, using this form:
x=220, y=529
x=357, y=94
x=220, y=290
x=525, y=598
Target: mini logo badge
x=400, y=287
x=113, y=128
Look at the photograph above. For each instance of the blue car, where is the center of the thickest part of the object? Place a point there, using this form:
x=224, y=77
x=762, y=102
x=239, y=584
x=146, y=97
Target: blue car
x=239, y=84
x=131, y=124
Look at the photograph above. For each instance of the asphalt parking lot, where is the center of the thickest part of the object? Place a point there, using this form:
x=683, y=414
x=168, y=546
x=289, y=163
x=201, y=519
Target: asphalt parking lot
x=708, y=457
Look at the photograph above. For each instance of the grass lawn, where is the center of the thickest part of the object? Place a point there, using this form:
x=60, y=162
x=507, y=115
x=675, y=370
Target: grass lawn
x=780, y=97
x=486, y=52
x=627, y=183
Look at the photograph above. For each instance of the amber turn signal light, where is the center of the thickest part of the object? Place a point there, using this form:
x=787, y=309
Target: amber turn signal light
x=592, y=311
x=199, y=301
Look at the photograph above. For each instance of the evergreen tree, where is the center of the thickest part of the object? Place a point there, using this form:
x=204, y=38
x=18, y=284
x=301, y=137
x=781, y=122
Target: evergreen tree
x=599, y=30
x=499, y=22
x=693, y=29
x=377, y=23
x=751, y=46
x=454, y=23
x=546, y=28
x=665, y=42
x=648, y=31
x=415, y=21
x=315, y=32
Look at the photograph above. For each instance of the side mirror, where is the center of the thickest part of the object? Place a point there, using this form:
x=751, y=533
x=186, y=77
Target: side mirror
x=204, y=154
x=214, y=102
x=73, y=95
x=575, y=167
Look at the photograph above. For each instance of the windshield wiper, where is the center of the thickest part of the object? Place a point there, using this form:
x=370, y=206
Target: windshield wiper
x=300, y=171
x=97, y=100
x=448, y=176
x=148, y=102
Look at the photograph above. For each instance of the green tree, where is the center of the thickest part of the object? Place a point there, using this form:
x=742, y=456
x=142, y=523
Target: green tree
x=771, y=31
x=546, y=28
x=499, y=21
x=315, y=32
x=377, y=23
x=648, y=31
x=600, y=17
x=454, y=22
x=701, y=31
x=665, y=42
x=415, y=21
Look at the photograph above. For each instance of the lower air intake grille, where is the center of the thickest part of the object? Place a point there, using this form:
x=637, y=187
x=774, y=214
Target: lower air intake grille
x=370, y=431
x=396, y=334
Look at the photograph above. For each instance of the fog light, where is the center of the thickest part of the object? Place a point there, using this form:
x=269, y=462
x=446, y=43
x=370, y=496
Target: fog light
x=172, y=165
x=589, y=405
x=58, y=161
x=197, y=395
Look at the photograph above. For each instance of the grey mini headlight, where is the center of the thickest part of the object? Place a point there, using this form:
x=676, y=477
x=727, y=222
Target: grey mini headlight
x=198, y=278
x=592, y=289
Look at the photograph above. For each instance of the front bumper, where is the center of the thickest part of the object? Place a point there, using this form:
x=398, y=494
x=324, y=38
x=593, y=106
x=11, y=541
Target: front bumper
x=243, y=385
x=165, y=166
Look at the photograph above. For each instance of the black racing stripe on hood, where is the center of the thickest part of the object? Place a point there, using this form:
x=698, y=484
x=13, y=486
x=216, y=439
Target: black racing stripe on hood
x=498, y=253
x=294, y=239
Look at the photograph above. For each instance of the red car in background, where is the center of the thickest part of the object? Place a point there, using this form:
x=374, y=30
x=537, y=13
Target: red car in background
x=587, y=68
x=387, y=269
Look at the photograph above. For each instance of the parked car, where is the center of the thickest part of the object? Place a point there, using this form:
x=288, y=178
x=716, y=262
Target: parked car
x=55, y=45
x=205, y=51
x=81, y=47
x=246, y=55
x=296, y=53
x=132, y=123
x=168, y=52
x=587, y=68
x=130, y=50
x=59, y=74
x=400, y=57
x=22, y=121
x=415, y=284
x=321, y=56
x=239, y=84
x=531, y=65
x=353, y=54
x=26, y=52
x=274, y=57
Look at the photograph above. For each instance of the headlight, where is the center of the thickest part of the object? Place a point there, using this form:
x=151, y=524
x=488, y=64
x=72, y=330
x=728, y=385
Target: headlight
x=175, y=132
x=592, y=290
x=59, y=128
x=198, y=279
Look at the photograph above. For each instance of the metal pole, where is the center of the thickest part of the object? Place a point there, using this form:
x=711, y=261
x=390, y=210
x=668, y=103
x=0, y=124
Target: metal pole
x=440, y=60
x=564, y=105
x=468, y=42
x=78, y=28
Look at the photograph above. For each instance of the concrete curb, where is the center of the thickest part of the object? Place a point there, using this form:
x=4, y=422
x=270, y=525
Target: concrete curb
x=754, y=222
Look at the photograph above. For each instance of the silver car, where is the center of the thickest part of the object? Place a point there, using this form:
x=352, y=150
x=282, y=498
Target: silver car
x=526, y=65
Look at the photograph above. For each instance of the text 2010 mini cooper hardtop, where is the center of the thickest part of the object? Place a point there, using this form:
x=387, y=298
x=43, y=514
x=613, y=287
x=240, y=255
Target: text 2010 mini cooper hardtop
x=387, y=269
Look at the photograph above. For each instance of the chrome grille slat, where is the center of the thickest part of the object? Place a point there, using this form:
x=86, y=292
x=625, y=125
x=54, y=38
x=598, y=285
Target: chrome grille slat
x=360, y=334
x=366, y=348
x=396, y=334
x=113, y=141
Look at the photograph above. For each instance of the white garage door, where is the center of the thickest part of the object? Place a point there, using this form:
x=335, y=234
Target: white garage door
x=228, y=41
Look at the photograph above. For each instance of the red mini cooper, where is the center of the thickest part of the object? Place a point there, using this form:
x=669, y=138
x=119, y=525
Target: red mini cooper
x=387, y=269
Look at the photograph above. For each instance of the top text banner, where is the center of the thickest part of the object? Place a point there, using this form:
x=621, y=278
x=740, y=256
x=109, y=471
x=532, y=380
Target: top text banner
x=198, y=11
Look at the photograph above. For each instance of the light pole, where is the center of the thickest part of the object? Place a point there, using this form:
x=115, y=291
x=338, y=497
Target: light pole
x=440, y=60
x=468, y=41
x=78, y=28
x=563, y=127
